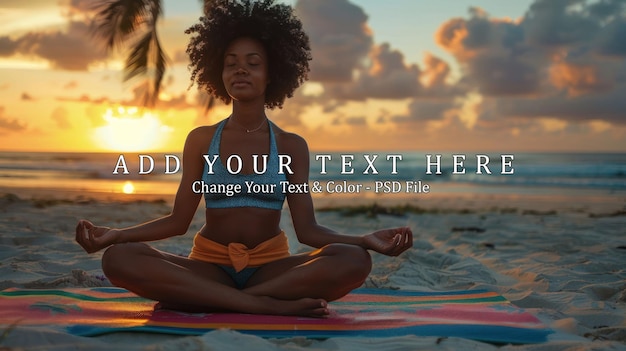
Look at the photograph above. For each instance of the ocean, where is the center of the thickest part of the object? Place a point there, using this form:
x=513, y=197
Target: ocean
x=386, y=173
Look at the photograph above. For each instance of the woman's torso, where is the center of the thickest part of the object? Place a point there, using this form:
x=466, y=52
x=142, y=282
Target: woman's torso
x=249, y=225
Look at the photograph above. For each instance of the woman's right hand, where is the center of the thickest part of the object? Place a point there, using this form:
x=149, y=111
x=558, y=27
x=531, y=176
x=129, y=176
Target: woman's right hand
x=93, y=238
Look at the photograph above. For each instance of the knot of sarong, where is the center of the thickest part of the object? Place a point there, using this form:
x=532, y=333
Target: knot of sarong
x=239, y=255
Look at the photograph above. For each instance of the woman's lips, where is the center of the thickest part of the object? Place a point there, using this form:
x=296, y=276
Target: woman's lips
x=240, y=83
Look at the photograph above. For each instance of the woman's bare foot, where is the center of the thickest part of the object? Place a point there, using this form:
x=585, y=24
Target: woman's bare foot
x=305, y=307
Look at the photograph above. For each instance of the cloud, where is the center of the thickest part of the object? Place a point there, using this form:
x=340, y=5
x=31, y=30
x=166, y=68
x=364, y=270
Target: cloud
x=425, y=110
x=59, y=115
x=8, y=46
x=80, y=7
x=580, y=79
x=70, y=49
x=564, y=59
x=513, y=58
x=10, y=125
x=85, y=98
x=494, y=74
x=176, y=102
x=349, y=66
x=557, y=23
x=609, y=106
x=387, y=77
x=180, y=56
x=293, y=110
x=24, y=4
x=436, y=72
x=354, y=121
x=339, y=37
x=71, y=85
x=610, y=42
x=26, y=97
x=170, y=102
x=493, y=54
x=137, y=99
x=606, y=9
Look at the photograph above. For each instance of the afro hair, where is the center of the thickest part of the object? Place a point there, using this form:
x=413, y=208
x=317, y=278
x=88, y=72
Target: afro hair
x=274, y=25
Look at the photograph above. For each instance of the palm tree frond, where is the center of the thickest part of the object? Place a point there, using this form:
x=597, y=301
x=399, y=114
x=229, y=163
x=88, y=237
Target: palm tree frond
x=147, y=59
x=133, y=24
x=116, y=21
x=137, y=60
x=156, y=10
x=160, y=65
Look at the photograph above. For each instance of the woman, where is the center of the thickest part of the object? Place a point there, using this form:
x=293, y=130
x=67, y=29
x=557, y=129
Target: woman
x=253, y=54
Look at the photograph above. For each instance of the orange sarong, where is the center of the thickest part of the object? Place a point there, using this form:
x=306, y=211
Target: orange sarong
x=239, y=255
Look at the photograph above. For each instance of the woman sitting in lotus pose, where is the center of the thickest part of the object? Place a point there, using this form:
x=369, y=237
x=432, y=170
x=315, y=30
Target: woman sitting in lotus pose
x=253, y=55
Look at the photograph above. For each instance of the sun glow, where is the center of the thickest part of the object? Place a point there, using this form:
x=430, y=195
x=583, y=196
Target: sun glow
x=126, y=130
x=128, y=188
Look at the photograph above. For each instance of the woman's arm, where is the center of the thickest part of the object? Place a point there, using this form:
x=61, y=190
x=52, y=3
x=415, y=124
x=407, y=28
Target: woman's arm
x=93, y=238
x=391, y=241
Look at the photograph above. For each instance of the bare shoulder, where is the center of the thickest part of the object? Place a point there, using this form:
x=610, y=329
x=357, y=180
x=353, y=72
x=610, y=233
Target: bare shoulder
x=202, y=131
x=200, y=137
x=296, y=148
x=290, y=143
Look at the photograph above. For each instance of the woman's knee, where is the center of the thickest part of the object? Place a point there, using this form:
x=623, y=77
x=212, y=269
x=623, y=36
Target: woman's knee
x=118, y=258
x=354, y=260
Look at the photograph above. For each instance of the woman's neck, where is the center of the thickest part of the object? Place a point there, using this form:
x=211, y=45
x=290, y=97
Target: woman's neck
x=248, y=116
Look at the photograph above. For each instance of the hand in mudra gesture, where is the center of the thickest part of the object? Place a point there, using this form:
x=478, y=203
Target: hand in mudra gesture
x=391, y=242
x=93, y=238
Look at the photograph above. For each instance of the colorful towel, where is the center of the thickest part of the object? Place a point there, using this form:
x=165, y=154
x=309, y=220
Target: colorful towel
x=479, y=315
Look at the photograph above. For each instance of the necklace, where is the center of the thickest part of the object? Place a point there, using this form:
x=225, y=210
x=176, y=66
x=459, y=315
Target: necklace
x=250, y=130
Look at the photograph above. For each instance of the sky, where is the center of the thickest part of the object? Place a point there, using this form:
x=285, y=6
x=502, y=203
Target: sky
x=457, y=76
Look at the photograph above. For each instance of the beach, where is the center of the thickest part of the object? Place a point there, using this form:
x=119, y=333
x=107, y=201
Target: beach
x=559, y=257
x=494, y=130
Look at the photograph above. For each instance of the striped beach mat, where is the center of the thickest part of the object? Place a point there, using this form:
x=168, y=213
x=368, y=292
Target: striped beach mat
x=473, y=314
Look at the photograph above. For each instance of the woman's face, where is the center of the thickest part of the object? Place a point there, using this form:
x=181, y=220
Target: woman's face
x=245, y=73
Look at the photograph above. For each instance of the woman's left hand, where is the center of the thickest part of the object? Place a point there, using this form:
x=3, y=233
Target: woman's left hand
x=93, y=238
x=391, y=242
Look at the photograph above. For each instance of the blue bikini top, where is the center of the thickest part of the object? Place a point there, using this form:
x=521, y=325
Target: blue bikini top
x=246, y=190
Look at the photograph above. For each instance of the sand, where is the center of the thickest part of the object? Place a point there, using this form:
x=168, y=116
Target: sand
x=561, y=258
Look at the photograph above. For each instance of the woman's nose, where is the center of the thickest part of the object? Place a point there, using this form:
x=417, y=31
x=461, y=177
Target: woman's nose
x=241, y=70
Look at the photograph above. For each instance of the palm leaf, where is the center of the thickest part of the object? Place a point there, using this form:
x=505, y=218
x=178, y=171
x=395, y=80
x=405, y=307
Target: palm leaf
x=137, y=60
x=117, y=21
x=147, y=60
x=160, y=66
x=133, y=24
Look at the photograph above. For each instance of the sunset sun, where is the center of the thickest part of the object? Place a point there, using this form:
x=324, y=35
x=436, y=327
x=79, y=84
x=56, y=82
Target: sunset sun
x=127, y=130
